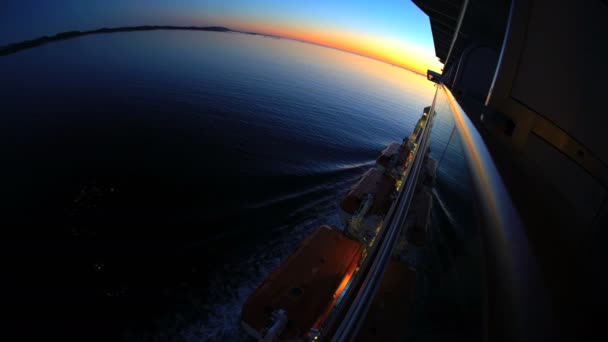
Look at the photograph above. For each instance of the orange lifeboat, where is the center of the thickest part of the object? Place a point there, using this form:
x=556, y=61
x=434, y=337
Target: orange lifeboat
x=295, y=299
x=366, y=204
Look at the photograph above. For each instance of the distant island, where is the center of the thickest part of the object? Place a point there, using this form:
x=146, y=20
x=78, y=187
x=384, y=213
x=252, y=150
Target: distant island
x=28, y=44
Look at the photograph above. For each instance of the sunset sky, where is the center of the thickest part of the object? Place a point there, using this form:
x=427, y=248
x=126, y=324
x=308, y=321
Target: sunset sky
x=395, y=31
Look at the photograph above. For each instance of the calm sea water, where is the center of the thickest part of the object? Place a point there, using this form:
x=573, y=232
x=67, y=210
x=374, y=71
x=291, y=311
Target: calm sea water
x=154, y=178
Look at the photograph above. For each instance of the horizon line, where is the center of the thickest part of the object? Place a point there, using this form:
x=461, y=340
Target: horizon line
x=41, y=40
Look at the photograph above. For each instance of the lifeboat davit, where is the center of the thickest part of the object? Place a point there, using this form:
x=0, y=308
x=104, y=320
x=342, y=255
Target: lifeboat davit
x=393, y=160
x=366, y=204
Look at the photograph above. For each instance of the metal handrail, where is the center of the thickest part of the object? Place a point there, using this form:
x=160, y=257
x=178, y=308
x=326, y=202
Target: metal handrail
x=387, y=237
x=463, y=10
x=512, y=277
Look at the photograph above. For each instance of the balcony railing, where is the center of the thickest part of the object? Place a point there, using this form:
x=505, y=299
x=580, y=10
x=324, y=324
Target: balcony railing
x=512, y=296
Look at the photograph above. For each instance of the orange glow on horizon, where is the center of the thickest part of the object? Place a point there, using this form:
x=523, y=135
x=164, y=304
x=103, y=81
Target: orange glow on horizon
x=391, y=52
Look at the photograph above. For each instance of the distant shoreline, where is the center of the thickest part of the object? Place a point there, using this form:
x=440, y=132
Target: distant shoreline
x=28, y=44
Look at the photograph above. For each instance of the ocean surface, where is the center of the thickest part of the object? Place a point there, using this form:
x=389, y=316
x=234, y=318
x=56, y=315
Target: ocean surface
x=151, y=180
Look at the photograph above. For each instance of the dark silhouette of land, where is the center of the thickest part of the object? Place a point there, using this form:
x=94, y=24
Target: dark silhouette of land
x=16, y=47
